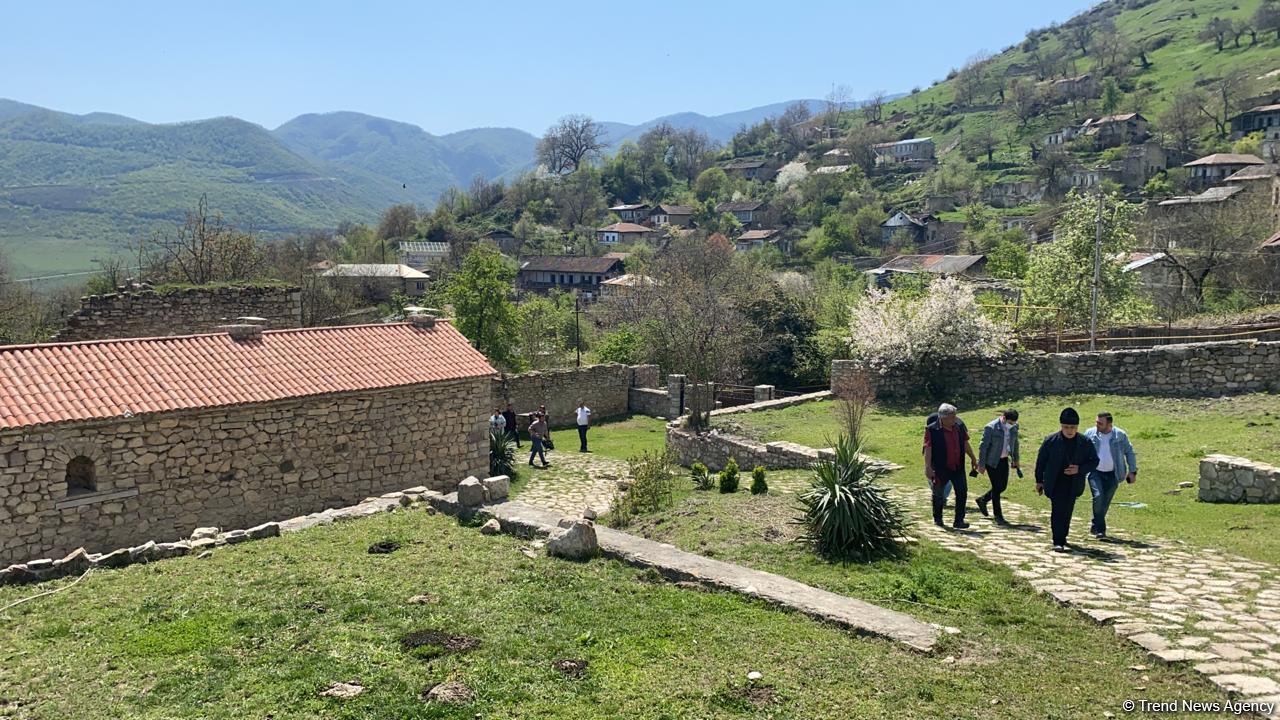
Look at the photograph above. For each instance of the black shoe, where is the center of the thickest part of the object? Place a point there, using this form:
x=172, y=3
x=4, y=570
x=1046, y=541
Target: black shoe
x=981, y=502
x=961, y=525
x=546, y=464
x=938, y=521
x=1060, y=548
x=531, y=464
x=1002, y=522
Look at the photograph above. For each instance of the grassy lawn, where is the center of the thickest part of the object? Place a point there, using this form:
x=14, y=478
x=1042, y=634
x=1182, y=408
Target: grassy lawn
x=259, y=630
x=620, y=439
x=1169, y=435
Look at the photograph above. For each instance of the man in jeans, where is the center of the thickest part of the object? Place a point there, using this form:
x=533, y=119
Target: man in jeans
x=946, y=442
x=998, y=452
x=1065, y=458
x=537, y=436
x=584, y=419
x=1116, y=459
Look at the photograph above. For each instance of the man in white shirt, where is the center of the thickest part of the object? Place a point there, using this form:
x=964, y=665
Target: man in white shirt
x=497, y=423
x=1116, y=460
x=584, y=419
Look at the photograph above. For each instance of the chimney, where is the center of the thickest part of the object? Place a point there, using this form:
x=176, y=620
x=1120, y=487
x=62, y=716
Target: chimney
x=242, y=332
x=423, y=320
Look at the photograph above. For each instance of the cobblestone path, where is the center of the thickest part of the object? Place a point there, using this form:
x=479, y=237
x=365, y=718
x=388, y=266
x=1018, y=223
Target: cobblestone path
x=1182, y=604
x=574, y=482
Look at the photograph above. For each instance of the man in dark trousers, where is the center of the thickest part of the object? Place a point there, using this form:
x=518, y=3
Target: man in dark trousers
x=512, y=430
x=1065, y=459
x=946, y=443
x=998, y=452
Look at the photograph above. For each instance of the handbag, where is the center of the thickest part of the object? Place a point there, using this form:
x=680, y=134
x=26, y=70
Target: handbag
x=546, y=443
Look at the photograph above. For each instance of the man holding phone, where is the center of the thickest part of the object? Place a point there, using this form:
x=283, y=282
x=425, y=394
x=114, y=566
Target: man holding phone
x=1064, y=460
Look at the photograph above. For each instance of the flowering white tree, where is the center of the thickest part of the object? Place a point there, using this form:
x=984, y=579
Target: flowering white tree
x=790, y=174
x=889, y=330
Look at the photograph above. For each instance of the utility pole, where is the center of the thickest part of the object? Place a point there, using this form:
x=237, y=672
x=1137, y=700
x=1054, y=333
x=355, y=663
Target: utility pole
x=1097, y=278
x=577, y=329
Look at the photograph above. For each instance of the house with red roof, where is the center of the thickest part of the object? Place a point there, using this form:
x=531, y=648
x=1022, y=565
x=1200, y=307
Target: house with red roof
x=111, y=443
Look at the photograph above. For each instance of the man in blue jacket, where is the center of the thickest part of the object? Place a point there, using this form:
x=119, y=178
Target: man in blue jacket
x=1116, y=459
x=998, y=452
x=1065, y=458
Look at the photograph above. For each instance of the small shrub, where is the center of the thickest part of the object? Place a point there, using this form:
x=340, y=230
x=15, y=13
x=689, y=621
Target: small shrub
x=846, y=513
x=652, y=484
x=729, y=477
x=502, y=454
x=701, y=477
x=758, y=485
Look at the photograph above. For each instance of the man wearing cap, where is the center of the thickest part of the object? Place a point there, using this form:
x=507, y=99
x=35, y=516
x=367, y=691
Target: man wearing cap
x=946, y=443
x=998, y=452
x=1116, y=459
x=1064, y=460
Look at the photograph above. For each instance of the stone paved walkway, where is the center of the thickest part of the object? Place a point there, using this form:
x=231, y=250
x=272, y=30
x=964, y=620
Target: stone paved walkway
x=1215, y=611
x=574, y=482
x=1182, y=604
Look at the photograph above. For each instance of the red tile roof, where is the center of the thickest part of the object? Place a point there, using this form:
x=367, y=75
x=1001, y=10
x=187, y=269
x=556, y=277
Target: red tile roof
x=64, y=382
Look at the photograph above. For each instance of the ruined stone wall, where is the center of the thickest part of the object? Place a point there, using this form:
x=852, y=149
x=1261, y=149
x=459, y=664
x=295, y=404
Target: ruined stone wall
x=715, y=448
x=1193, y=370
x=1228, y=479
x=653, y=402
x=162, y=475
x=191, y=311
x=604, y=388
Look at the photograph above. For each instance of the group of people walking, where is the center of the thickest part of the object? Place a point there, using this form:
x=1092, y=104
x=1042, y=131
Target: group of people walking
x=504, y=422
x=1065, y=463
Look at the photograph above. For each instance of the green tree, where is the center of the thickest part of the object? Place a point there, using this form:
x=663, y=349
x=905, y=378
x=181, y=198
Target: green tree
x=480, y=293
x=1111, y=96
x=1250, y=144
x=1060, y=273
x=623, y=345
x=712, y=184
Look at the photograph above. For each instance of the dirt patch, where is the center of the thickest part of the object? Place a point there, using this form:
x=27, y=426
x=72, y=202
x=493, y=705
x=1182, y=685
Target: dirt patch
x=449, y=693
x=570, y=667
x=431, y=644
x=758, y=695
x=383, y=547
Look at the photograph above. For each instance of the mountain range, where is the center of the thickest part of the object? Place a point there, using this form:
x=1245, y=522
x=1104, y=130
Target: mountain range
x=73, y=187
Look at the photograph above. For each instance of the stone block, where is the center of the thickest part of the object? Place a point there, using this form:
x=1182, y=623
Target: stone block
x=496, y=488
x=577, y=542
x=234, y=537
x=471, y=492
x=75, y=563
x=203, y=533
x=143, y=553
x=163, y=551
x=492, y=527
x=116, y=559
x=265, y=530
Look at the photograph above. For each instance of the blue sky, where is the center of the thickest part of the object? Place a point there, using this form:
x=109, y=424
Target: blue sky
x=451, y=66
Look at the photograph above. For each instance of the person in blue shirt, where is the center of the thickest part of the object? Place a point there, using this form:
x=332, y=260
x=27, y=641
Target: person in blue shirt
x=1116, y=460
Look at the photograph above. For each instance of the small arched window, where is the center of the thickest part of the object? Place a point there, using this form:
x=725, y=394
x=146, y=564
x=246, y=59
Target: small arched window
x=81, y=476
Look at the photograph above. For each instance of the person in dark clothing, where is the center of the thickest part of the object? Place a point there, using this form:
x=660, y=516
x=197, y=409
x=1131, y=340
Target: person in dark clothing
x=510, y=415
x=998, y=452
x=946, y=443
x=1064, y=460
x=946, y=487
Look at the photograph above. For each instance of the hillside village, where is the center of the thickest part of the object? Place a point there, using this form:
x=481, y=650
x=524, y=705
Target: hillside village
x=810, y=416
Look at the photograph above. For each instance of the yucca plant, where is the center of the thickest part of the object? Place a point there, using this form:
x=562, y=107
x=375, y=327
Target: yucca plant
x=502, y=454
x=701, y=476
x=847, y=513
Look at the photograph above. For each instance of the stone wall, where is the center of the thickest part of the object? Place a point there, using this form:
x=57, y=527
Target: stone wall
x=715, y=448
x=653, y=402
x=149, y=313
x=162, y=475
x=1228, y=479
x=604, y=388
x=1193, y=370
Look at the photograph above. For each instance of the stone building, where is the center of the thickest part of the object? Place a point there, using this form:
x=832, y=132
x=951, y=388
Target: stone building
x=180, y=311
x=112, y=443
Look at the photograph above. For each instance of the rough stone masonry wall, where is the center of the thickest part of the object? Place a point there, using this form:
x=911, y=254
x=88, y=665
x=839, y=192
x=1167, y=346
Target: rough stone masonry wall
x=1193, y=370
x=604, y=388
x=1228, y=479
x=162, y=475
x=191, y=311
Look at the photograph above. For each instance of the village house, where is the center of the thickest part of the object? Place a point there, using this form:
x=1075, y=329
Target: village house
x=1063, y=136
x=1187, y=203
x=919, y=230
x=665, y=214
x=969, y=266
x=1115, y=130
x=377, y=283
x=1215, y=168
x=1263, y=118
x=1064, y=90
x=1011, y=193
x=749, y=213
x=624, y=285
x=1157, y=276
x=837, y=156
x=754, y=240
x=507, y=243
x=832, y=170
x=749, y=169
x=423, y=255
x=916, y=151
x=571, y=273
x=229, y=429
x=635, y=213
x=1261, y=183
x=622, y=232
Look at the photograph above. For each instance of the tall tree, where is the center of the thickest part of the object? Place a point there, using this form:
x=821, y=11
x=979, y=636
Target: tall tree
x=792, y=126
x=1267, y=17
x=570, y=142
x=398, y=221
x=1081, y=33
x=1022, y=100
x=1182, y=121
x=1222, y=99
x=1216, y=31
x=480, y=293
x=873, y=107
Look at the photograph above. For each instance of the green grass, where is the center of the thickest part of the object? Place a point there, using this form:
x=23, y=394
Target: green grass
x=259, y=629
x=618, y=438
x=1170, y=437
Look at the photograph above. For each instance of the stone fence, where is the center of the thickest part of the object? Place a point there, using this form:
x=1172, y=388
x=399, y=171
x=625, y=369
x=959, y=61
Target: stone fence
x=715, y=447
x=606, y=389
x=1227, y=479
x=1194, y=370
x=190, y=311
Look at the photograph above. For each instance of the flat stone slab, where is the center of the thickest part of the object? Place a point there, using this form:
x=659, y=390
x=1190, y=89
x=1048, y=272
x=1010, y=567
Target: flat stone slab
x=1246, y=685
x=530, y=521
x=1177, y=655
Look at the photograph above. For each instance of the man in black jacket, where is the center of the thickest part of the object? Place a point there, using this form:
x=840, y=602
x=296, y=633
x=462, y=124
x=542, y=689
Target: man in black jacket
x=1065, y=459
